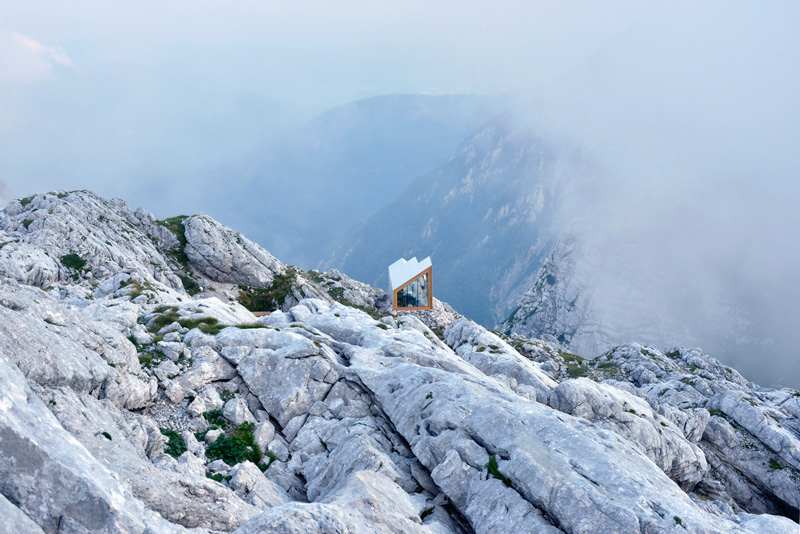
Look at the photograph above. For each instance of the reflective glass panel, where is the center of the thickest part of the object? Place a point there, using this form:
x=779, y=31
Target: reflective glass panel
x=415, y=294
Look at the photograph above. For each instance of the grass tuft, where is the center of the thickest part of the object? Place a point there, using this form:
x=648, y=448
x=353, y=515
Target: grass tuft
x=492, y=468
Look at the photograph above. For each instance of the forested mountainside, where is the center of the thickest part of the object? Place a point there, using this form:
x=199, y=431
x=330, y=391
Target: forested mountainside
x=141, y=395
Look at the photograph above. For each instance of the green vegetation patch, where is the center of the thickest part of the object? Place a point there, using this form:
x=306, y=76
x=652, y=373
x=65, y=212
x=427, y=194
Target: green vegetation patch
x=138, y=288
x=492, y=468
x=337, y=293
x=175, y=225
x=176, y=445
x=438, y=332
x=73, y=261
x=776, y=465
x=316, y=276
x=207, y=325
x=236, y=446
x=216, y=419
x=150, y=359
x=269, y=298
x=190, y=285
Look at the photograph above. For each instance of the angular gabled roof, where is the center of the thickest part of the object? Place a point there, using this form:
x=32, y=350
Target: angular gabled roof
x=403, y=270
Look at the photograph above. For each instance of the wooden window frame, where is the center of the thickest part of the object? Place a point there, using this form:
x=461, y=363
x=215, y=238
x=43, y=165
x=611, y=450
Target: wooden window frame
x=429, y=272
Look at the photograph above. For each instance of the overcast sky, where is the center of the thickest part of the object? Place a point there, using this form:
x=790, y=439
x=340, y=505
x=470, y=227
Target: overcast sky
x=319, y=52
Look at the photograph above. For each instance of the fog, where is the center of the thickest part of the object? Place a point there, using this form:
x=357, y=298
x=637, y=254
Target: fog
x=690, y=111
x=693, y=119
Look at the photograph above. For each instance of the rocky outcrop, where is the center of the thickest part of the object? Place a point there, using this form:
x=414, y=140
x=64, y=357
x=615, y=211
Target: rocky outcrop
x=78, y=236
x=129, y=406
x=52, y=478
x=747, y=434
x=222, y=255
x=633, y=418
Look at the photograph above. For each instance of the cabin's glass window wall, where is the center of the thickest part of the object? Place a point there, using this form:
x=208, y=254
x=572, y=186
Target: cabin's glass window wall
x=415, y=294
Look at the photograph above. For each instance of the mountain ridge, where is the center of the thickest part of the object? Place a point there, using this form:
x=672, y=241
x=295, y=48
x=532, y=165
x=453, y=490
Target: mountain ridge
x=148, y=409
x=487, y=218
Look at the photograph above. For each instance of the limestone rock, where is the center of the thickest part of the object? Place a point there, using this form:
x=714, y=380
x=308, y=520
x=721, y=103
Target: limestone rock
x=223, y=255
x=250, y=483
x=236, y=411
x=208, y=367
x=15, y=521
x=633, y=418
x=367, y=503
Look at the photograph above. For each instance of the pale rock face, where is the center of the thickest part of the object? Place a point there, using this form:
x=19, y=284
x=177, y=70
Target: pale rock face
x=80, y=496
x=495, y=357
x=111, y=237
x=208, y=367
x=366, y=503
x=223, y=255
x=250, y=483
x=211, y=398
x=633, y=418
x=14, y=520
x=263, y=435
x=197, y=407
x=176, y=489
x=366, y=425
x=174, y=392
x=236, y=411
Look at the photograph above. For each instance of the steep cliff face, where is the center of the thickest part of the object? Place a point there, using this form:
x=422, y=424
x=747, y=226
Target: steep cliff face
x=131, y=406
x=597, y=289
x=487, y=218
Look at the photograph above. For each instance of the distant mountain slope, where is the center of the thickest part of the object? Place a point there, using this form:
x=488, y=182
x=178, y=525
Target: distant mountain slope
x=342, y=167
x=596, y=290
x=487, y=217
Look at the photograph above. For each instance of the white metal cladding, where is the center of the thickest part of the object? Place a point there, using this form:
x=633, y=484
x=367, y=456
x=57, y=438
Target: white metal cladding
x=402, y=271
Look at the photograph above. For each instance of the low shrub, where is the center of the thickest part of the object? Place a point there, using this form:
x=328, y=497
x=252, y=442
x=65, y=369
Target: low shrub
x=236, y=447
x=73, y=261
x=176, y=445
